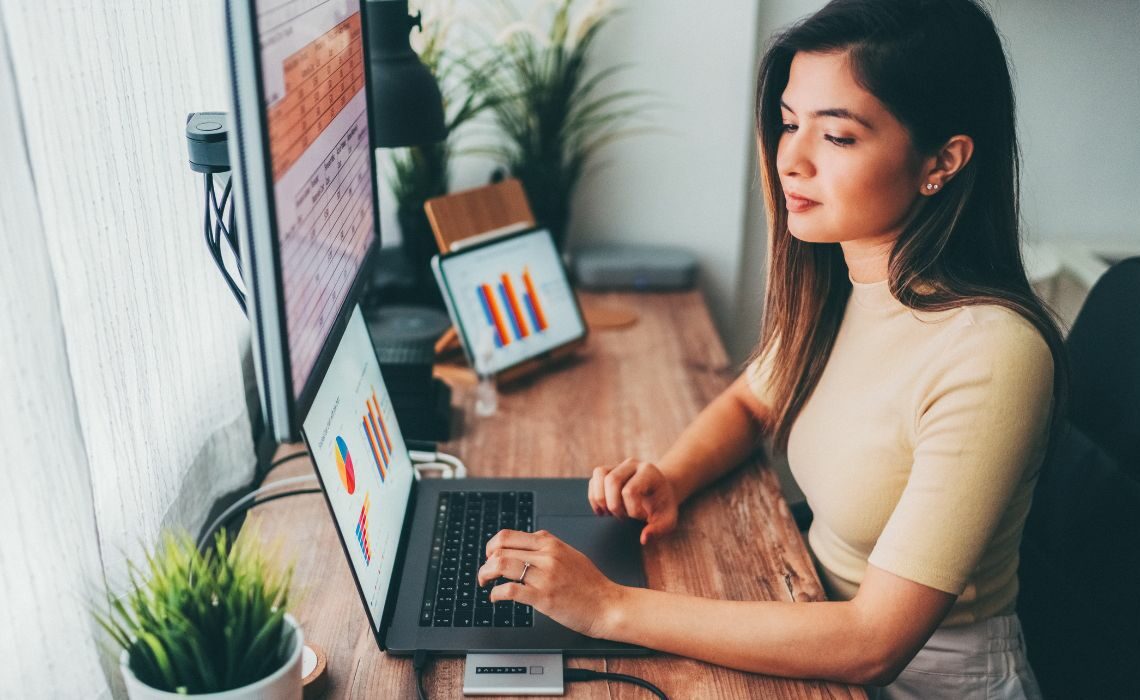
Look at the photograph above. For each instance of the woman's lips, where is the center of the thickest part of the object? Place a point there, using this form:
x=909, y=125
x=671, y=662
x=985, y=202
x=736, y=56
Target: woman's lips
x=798, y=204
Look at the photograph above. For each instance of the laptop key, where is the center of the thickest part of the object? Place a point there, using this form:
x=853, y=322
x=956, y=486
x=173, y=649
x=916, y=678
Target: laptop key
x=484, y=617
x=504, y=616
x=524, y=615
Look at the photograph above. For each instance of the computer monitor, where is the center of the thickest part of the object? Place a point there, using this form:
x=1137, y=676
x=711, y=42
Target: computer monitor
x=304, y=185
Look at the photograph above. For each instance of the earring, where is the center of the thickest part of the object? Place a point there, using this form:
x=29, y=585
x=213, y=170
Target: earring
x=930, y=187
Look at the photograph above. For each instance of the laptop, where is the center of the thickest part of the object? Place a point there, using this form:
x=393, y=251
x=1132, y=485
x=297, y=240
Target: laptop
x=414, y=546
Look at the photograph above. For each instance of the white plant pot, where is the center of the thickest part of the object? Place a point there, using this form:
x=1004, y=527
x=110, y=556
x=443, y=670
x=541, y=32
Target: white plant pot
x=282, y=684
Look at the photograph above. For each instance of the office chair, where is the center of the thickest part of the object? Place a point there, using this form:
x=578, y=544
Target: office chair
x=1104, y=351
x=1079, y=601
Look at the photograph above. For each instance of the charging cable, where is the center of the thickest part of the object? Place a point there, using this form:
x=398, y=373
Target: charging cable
x=572, y=675
x=448, y=466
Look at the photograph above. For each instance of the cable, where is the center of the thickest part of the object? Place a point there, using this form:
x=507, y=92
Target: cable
x=419, y=664
x=449, y=467
x=571, y=675
x=214, y=228
x=287, y=458
x=240, y=505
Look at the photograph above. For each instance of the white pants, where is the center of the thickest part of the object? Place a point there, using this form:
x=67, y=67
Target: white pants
x=984, y=660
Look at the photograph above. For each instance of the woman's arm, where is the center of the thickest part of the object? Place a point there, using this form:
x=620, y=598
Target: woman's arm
x=717, y=441
x=867, y=640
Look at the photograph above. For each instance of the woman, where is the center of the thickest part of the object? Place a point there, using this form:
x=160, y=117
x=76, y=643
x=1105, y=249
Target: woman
x=905, y=365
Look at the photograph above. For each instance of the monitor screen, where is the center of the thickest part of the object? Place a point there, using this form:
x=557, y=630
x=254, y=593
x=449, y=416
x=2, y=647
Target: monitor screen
x=304, y=186
x=511, y=300
x=362, y=461
x=312, y=59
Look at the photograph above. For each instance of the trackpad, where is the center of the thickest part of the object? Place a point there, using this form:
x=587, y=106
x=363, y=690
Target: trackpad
x=613, y=545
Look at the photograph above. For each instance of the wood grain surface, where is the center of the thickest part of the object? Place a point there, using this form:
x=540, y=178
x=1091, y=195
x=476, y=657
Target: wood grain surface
x=628, y=393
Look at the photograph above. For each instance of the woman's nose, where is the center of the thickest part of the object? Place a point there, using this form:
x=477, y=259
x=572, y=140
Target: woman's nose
x=793, y=157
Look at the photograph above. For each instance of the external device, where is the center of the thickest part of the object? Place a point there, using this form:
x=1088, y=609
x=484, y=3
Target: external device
x=306, y=182
x=510, y=301
x=648, y=268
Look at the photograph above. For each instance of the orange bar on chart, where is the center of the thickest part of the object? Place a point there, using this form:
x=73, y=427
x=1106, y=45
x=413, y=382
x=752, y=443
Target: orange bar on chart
x=499, y=325
x=372, y=411
x=373, y=441
x=534, y=300
x=383, y=426
x=515, y=310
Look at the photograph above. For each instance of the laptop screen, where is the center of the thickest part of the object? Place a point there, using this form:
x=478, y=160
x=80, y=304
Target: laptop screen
x=362, y=462
x=511, y=300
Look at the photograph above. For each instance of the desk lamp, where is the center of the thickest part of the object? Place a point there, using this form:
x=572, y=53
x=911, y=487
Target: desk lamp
x=407, y=106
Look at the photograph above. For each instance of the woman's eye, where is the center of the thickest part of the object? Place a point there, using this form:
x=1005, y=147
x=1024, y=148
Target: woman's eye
x=788, y=128
x=839, y=140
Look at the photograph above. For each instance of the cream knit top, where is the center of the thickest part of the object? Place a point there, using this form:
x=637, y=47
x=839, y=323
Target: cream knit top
x=919, y=448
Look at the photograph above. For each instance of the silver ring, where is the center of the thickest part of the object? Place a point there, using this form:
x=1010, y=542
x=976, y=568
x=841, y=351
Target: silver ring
x=526, y=565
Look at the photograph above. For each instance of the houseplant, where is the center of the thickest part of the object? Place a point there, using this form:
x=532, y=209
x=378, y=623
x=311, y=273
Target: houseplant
x=207, y=624
x=552, y=108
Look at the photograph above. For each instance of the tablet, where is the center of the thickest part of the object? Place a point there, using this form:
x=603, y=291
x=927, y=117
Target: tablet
x=510, y=300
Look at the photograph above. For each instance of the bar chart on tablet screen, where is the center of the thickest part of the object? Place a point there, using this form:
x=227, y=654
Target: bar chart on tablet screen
x=313, y=68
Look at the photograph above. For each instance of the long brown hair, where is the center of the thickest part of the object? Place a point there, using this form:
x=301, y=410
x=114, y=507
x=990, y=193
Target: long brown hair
x=939, y=68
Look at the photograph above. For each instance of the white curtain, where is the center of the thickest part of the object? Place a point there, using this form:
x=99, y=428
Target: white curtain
x=122, y=409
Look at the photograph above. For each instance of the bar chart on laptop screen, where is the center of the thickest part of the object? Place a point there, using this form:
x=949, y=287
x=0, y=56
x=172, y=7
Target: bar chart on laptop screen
x=313, y=81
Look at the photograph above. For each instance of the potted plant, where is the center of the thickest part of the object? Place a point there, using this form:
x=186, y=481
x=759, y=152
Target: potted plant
x=208, y=624
x=550, y=108
x=421, y=172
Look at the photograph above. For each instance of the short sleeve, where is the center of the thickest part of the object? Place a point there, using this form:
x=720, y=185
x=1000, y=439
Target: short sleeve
x=981, y=429
x=759, y=374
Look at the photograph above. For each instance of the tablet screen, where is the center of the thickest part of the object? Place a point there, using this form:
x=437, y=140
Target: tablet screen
x=511, y=300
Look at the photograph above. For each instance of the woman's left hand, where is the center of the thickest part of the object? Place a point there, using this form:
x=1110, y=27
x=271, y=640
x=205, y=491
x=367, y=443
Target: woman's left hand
x=560, y=582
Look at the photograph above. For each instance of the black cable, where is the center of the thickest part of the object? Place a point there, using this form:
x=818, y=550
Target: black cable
x=208, y=537
x=419, y=664
x=296, y=455
x=571, y=675
x=214, y=234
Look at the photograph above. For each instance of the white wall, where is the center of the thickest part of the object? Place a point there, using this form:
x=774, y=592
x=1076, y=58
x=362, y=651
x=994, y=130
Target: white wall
x=1077, y=77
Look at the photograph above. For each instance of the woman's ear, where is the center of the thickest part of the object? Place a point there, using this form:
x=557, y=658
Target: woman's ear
x=945, y=164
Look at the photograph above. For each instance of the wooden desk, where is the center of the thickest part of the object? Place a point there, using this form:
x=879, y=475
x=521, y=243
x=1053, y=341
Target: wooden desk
x=630, y=394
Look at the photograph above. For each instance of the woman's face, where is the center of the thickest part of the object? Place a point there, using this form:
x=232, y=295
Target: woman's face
x=846, y=165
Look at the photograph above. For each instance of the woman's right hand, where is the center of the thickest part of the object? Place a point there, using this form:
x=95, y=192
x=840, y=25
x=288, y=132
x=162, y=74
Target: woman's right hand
x=638, y=490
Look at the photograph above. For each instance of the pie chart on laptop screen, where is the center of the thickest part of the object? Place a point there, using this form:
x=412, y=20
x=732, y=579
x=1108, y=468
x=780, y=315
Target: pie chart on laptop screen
x=344, y=465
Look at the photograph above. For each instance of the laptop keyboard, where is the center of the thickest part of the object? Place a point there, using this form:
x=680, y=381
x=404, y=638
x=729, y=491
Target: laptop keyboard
x=464, y=522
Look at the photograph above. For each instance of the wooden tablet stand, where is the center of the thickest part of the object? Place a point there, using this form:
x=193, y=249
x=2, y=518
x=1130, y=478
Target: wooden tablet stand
x=473, y=216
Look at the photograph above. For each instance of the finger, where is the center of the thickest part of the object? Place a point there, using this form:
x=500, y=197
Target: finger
x=637, y=494
x=596, y=490
x=510, y=565
x=513, y=539
x=518, y=592
x=614, y=482
x=658, y=526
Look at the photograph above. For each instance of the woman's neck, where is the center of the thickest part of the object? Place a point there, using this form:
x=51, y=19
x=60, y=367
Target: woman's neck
x=868, y=258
